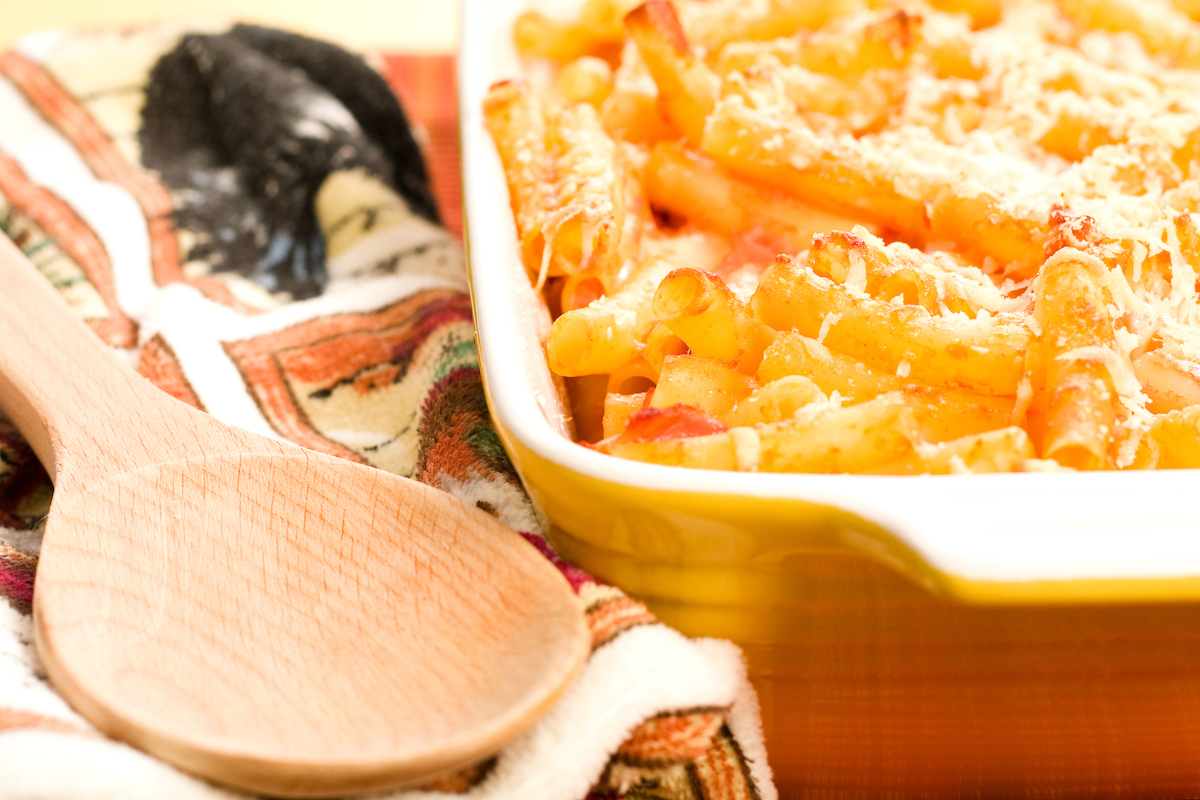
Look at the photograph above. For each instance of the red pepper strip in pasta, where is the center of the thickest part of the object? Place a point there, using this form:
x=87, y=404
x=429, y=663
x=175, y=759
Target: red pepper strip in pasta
x=676, y=422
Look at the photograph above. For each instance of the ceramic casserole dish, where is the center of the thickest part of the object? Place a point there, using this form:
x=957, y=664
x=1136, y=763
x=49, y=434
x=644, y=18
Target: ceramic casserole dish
x=976, y=635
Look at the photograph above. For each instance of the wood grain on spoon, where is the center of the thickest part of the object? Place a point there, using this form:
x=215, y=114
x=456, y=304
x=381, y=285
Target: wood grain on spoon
x=259, y=614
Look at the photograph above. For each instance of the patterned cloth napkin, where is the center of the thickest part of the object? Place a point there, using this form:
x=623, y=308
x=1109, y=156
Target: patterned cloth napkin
x=244, y=215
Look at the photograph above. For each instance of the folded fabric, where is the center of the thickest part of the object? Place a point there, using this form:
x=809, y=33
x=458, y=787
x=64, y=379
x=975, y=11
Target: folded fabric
x=244, y=215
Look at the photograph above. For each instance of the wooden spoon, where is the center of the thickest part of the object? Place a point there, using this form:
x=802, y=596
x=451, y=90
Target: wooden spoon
x=259, y=614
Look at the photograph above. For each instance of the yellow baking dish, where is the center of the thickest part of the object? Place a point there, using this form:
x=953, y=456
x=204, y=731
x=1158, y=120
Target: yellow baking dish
x=908, y=636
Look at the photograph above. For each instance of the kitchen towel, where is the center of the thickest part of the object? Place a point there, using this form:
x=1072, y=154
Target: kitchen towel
x=248, y=217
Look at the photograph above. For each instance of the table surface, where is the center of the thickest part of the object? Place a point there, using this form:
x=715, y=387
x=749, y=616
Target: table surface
x=418, y=26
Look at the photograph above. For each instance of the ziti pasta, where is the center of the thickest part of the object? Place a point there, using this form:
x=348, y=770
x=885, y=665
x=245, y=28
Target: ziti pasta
x=875, y=236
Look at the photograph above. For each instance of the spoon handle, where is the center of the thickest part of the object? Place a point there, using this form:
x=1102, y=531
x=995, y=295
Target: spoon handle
x=59, y=384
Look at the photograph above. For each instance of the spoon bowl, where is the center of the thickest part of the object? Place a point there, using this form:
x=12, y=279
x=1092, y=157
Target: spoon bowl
x=258, y=614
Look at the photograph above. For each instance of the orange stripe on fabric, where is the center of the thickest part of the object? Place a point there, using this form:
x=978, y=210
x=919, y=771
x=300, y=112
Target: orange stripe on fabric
x=614, y=616
x=63, y=112
x=426, y=87
x=672, y=738
x=77, y=240
x=266, y=362
x=159, y=364
x=11, y=719
x=721, y=772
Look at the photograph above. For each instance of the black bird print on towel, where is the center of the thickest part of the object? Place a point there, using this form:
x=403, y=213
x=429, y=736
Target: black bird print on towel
x=244, y=127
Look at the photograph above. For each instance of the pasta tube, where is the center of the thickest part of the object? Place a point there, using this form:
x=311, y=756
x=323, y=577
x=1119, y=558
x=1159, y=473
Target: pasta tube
x=1173, y=441
x=706, y=315
x=1076, y=347
x=598, y=25
x=941, y=414
x=1172, y=384
x=1002, y=450
x=829, y=439
x=984, y=355
x=701, y=191
x=583, y=234
x=704, y=383
x=714, y=23
x=777, y=401
x=516, y=120
x=687, y=87
x=897, y=272
x=791, y=156
x=608, y=333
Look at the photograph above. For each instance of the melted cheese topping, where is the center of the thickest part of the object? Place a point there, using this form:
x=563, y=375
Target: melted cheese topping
x=980, y=149
x=1073, y=111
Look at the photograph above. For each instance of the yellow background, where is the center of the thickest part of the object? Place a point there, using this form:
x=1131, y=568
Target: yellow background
x=408, y=25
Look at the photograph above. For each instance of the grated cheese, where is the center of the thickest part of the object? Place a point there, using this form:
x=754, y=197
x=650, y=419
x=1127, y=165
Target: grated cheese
x=831, y=319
